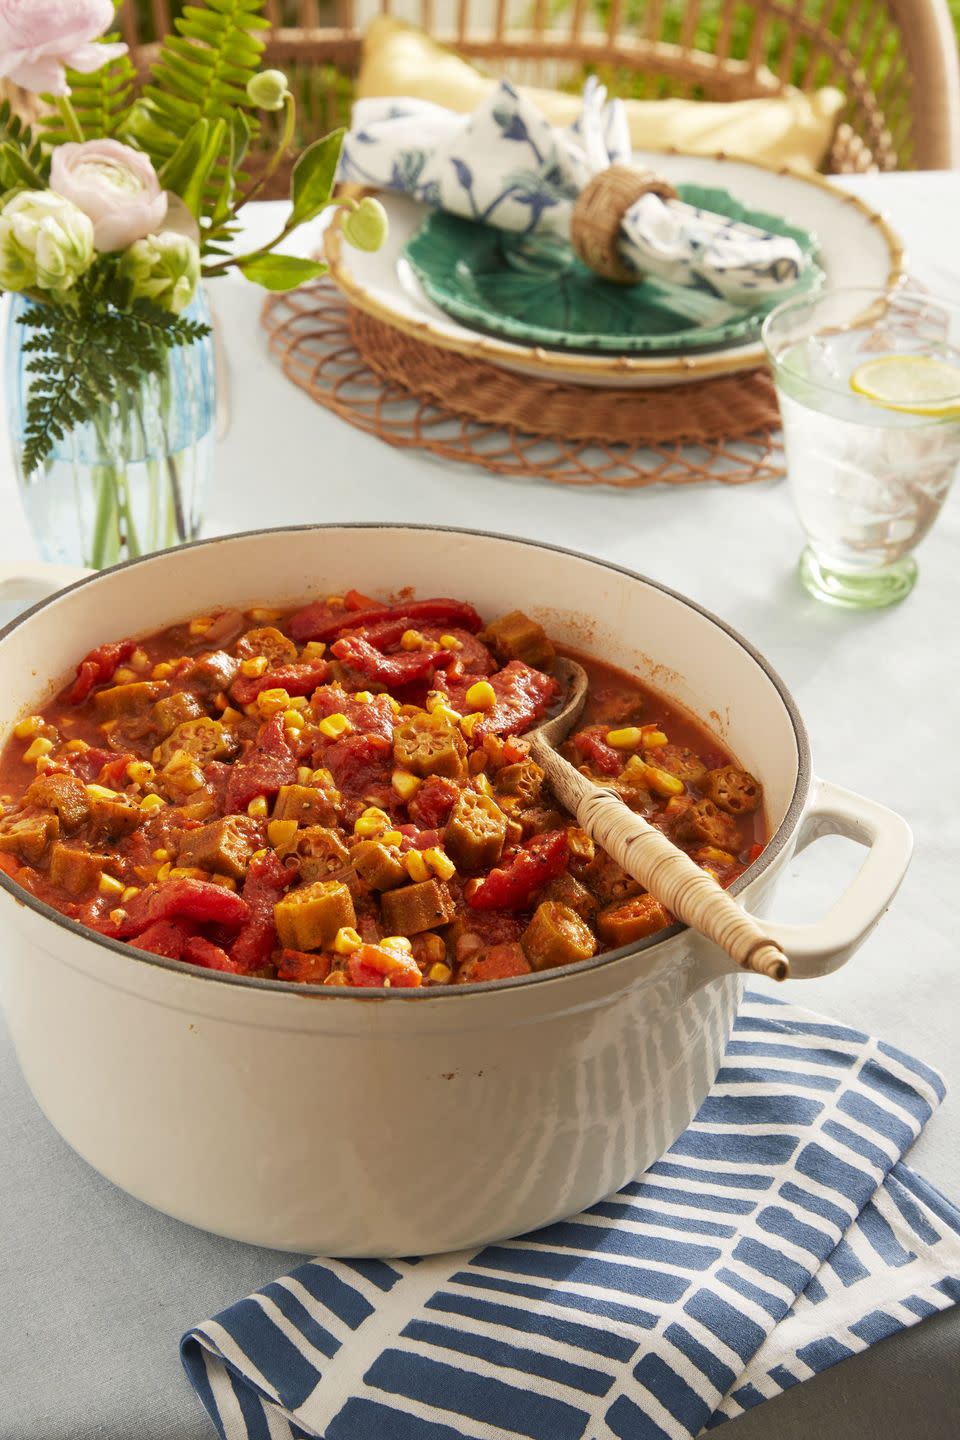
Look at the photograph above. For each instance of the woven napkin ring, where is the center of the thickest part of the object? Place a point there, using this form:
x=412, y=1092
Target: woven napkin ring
x=597, y=215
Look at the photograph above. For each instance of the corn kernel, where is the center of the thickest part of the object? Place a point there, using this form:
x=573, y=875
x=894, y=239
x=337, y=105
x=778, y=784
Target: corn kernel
x=397, y=943
x=334, y=726
x=108, y=725
x=372, y=822
x=467, y=722
x=162, y=671
x=29, y=727
x=413, y=640
x=77, y=745
x=152, y=803
x=335, y=602
x=707, y=871
x=108, y=886
x=439, y=862
x=450, y=642
x=653, y=739
x=481, y=696
x=227, y=881
x=313, y=650
x=129, y=893
x=437, y=705
x=336, y=977
x=231, y=716
x=258, y=807
x=139, y=660
x=293, y=720
x=484, y=786
x=395, y=705
x=415, y=866
x=321, y=777
x=363, y=696
x=258, y=854
x=254, y=667
x=100, y=792
x=390, y=837
x=164, y=872
x=347, y=940
x=661, y=781
x=580, y=844
x=140, y=771
x=161, y=854
x=186, y=872
x=37, y=748
x=200, y=625
x=281, y=832
x=303, y=774
x=439, y=973
x=405, y=784
x=263, y=616
x=118, y=916
x=124, y=675
x=629, y=738
x=271, y=702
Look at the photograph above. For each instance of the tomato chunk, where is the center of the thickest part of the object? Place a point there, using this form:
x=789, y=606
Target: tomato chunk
x=267, y=878
x=300, y=679
x=318, y=622
x=372, y=965
x=182, y=899
x=200, y=951
x=513, y=885
x=593, y=746
x=166, y=938
x=303, y=967
x=271, y=762
x=523, y=696
x=97, y=667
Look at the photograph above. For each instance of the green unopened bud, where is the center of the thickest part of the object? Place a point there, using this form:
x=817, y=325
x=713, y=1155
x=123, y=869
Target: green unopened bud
x=164, y=268
x=366, y=227
x=268, y=90
x=45, y=241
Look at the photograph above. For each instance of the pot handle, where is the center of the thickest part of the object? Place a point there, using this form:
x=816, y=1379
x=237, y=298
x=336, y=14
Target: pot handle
x=36, y=579
x=827, y=944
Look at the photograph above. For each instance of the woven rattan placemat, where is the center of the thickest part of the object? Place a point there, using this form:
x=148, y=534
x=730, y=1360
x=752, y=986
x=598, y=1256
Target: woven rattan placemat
x=414, y=395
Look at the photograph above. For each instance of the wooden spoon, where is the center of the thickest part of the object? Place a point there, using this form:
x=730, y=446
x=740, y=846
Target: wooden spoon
x=645, y=852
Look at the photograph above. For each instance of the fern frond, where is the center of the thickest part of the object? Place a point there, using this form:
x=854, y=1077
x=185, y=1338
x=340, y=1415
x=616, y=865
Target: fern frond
x=99, y=101
x=15, y=132
x=84, y=354
x=202, y=73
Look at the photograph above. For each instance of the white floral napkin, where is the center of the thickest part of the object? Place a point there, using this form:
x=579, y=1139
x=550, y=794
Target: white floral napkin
x=506, y=166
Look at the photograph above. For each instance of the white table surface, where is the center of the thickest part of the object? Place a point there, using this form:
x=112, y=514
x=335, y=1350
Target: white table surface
x=880, y=694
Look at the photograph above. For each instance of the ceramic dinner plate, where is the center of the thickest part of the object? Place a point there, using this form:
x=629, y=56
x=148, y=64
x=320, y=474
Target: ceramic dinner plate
x=855, y=246
x=533, y=290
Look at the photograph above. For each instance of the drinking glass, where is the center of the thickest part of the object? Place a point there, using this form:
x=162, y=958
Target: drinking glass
x=867, y=476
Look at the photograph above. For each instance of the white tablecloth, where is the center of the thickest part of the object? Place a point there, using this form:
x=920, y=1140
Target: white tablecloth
x=879, y=692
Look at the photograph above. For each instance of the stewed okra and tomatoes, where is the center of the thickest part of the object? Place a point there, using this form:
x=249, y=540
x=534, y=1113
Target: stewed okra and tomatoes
x=343, y=795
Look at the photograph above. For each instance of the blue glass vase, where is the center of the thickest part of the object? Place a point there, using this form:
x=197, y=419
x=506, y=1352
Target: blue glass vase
x=132, y=478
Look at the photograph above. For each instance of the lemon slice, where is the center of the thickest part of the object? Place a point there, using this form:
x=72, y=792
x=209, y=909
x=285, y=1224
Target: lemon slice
x=914, y=384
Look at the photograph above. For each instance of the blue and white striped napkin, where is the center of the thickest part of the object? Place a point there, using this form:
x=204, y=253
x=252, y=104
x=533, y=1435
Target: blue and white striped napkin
x=780, y=1234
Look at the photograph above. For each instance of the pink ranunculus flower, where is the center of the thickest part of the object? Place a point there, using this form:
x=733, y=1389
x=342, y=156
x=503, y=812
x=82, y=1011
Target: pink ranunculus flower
x=39, y=38
x=115, y=185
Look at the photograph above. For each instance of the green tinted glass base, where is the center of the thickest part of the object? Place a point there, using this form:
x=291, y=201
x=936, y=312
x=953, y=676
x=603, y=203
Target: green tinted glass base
x=869, y=590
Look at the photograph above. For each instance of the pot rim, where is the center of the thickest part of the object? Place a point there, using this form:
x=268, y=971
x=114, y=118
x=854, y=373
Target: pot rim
x=773, y=848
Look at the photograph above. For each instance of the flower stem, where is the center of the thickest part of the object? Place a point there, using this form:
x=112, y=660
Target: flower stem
x=289, y=119
x=69, y=117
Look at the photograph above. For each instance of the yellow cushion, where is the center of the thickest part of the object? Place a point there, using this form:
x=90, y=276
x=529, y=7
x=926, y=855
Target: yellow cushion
x=794, y=128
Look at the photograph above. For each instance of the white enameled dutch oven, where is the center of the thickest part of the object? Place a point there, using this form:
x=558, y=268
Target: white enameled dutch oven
x=358, y=1122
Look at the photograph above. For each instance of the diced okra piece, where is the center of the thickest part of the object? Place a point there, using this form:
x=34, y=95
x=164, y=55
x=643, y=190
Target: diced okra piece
x=214, y=671
x=174, y=710
x=633, y=919
x=567, y=890
x=269, y=641
x=556, y=936
x=733, y=790
x=704, y=823
x=205, y=739
x=28, y=836
x=126, y=699
x=430, y=745
x=414, y=908
x=680, y=761
x=517, y=637
x=223, y=847
x=309, y=918
x=524, y=779
x=376, y=866
x=64, y=794
x=320, y=854
x=76, y=871
x=475, y=832
x=306, y=804
x=114, y=819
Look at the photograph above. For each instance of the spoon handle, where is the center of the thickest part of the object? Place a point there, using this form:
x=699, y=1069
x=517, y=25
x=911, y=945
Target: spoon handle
x=663, y=869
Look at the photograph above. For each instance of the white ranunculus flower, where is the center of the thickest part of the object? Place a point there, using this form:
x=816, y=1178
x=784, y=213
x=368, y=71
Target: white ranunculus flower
x=45, y=242
x=164, y=268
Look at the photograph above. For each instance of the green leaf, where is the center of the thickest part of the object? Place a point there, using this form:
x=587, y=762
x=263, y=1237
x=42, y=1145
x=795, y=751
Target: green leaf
x=281, y=272
x=314, y=175
x=17, y=169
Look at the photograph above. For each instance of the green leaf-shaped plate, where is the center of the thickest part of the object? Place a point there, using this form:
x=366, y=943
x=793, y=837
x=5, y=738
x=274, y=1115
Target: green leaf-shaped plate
x=534, y=290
